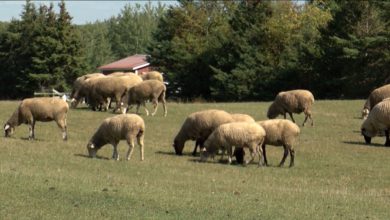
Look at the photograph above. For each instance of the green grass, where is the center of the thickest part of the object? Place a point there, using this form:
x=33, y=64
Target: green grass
x=335, y=176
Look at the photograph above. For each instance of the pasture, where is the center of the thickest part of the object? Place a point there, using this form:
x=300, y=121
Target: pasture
x=336, y=176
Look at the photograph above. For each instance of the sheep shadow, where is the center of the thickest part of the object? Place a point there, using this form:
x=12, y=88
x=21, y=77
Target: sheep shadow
x=363, y=144
x=170, y=153
x=28, y=139
x=87, y=156
x=216, y=161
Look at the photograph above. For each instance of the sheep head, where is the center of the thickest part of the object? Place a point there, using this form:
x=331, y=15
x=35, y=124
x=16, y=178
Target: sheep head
x=91, y=150
x=8, y=130
x=178, y=145
x=368, y=131
x=273, y=111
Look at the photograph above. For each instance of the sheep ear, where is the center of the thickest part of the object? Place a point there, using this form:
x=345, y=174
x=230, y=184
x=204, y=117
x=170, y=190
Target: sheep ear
x=92, y=146
x=6, y=127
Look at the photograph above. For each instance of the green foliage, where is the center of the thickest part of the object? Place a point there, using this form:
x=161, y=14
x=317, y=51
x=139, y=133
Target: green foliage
x=131, y=31
x=42, y=50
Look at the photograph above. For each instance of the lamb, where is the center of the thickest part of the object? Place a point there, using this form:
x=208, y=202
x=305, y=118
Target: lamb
x=153, y=90
x=280, y=132
x=120, y=127
x=43, y=109
x=238, y=134
x=198, y=126
x=112, y=87
x=377, y=121
x=293, y=101
x=152, y=75
x=376, y=96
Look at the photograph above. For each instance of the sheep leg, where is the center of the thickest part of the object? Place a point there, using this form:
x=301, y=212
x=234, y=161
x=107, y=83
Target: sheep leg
x=115, y=154
x=31, y=130
x=130, y=142
x=264, y=154
x=387, y=138
x=162, y=100
x=253, y=154
x=62, y=124
x=155, y=106
x=306, y=116
x=259, y=151
x=197, y=143
x=140, y=140
x=229, y=151
x=291, y=116
x=292, y=155
x=284, y=155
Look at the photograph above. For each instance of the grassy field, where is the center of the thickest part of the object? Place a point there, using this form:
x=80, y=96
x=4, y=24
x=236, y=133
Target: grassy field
x=336, y=176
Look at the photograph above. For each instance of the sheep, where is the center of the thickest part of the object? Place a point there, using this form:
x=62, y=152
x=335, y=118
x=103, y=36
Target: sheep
x=238, y=134
x=152, y=75
x=79, y=88
x=112, y=87
x=378, y=121
x=120, y=127
x=198, y=126
x=43, y=109
x=293, y=101
x=280, y=132
x=153, y=90
x=376, y=96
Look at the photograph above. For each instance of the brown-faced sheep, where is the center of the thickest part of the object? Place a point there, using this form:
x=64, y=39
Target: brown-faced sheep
x=120, y=127
x=39, y=109
x=376, y=96
x=293, y=101
x=198, y=126
x=153, y=90
x=112, y=87
x=377, y=121
x=280, y=132
x=152, y=75
x=238, y=134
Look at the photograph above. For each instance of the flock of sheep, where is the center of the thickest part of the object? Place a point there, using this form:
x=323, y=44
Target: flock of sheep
x=212, y=130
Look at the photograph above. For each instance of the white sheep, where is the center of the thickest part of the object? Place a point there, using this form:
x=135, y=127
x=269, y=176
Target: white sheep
x=39, y=109
x=280, y=132
x=153, y=90
x=376, y=96
x=114, y=87
x=198, y=126
x=152, y=75
x=236, y=134
x=378, y=121
x=80, y=89
x=120, y=127
x=293, y=101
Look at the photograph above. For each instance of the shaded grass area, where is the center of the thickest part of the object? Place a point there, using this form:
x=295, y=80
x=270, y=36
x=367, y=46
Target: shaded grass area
x=336, y=176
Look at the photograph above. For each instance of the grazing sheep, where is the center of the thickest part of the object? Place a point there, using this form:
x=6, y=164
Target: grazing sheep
x=236, y=118
x=39, y=109
x=120, y=127
x=376, y=96
x=152, y=75
x=293, y=101
x=198, y=126
x=79, y=88
x=377, y=121
x=153, y=90
x=280, y=132
x=238, y=134
x=112, y=87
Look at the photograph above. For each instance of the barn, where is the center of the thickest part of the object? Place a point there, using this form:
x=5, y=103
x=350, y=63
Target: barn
x=137, y=63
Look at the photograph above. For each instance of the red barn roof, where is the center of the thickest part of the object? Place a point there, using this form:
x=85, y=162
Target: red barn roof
x=129, y=63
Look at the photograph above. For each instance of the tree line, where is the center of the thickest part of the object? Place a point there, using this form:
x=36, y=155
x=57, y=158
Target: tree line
x=213, y=50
